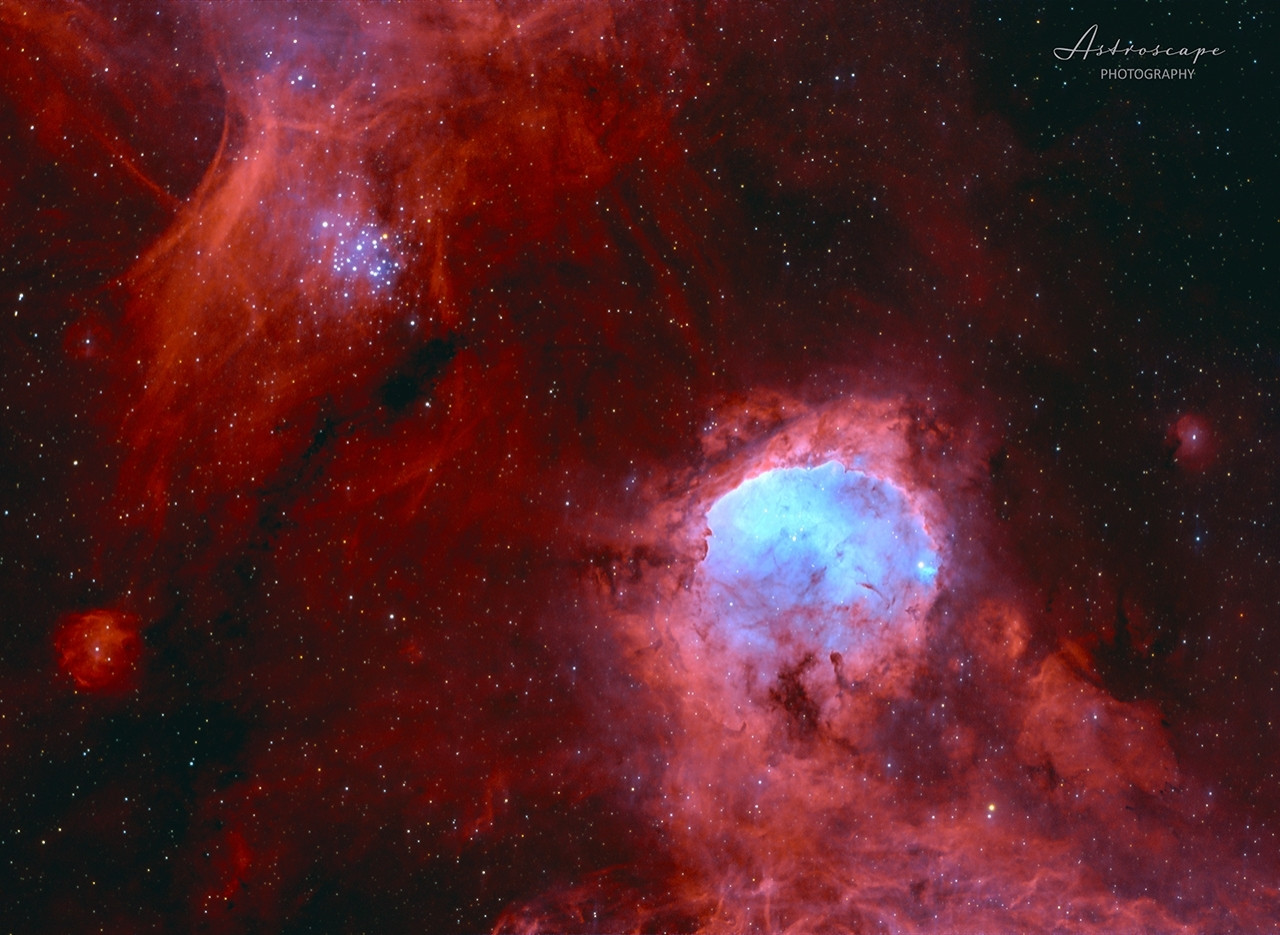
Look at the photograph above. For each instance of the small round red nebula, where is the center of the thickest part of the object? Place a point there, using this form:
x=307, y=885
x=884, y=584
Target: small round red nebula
x=99, y=650
x=1190, y=441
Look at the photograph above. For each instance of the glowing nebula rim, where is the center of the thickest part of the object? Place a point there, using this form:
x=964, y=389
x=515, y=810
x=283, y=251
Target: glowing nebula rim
x=666, y=622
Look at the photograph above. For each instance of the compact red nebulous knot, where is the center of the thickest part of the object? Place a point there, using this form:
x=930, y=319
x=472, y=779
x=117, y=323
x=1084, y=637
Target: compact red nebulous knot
x=1190, y=442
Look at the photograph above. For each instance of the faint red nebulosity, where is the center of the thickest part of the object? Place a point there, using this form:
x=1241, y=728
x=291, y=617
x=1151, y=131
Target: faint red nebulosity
x=100, y=650
x=231, y=860
x=1191, y=443
x=87, y=338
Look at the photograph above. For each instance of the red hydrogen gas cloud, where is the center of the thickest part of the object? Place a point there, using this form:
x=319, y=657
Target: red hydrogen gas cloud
x=585, y=466
x=901, y=759
x=1190, y=442
x=99, y=649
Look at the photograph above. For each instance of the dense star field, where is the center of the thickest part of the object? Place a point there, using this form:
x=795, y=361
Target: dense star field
x=599, y=467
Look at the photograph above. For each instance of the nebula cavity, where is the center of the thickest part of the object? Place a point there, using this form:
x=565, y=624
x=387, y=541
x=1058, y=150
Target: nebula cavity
x=825, y=559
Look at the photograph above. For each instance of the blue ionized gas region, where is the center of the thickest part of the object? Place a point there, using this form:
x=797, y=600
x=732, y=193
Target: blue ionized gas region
x=822, y=556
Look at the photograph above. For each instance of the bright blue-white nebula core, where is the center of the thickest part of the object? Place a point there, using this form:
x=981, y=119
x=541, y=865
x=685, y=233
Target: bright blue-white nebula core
x=822, y=559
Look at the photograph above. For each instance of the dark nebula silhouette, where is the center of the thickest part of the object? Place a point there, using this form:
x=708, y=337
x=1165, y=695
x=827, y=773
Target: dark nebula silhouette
x=595, y=467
